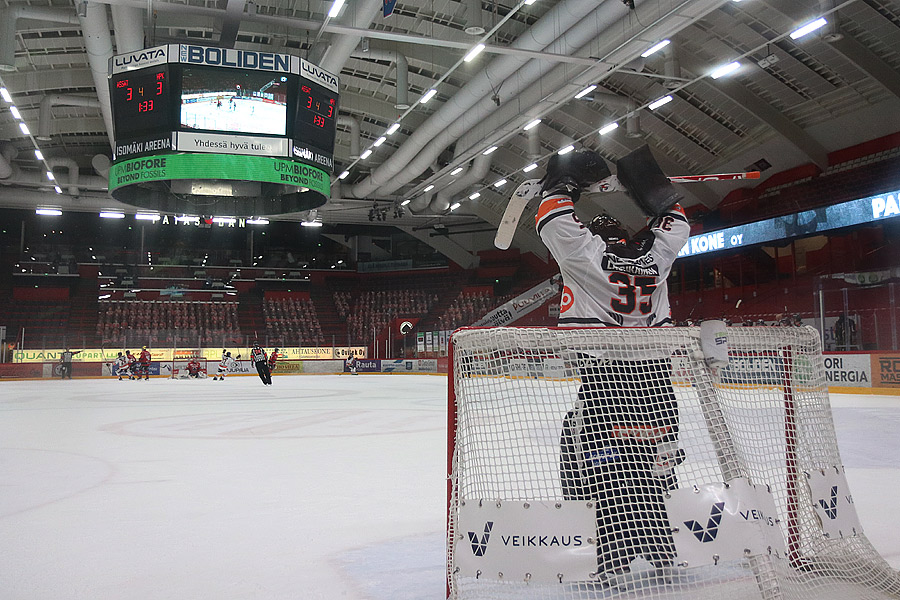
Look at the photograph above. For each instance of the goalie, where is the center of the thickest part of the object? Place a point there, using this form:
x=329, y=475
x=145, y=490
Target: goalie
x=619, y=444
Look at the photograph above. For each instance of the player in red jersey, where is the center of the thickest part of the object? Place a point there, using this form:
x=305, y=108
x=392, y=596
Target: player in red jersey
x=194, y=367
x=273, y=359
x=144, y=362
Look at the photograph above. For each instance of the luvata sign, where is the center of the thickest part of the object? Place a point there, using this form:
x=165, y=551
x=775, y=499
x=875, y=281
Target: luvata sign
x=541, y=542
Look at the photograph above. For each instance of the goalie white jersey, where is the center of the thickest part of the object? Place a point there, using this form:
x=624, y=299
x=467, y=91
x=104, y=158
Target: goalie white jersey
x=618, y=285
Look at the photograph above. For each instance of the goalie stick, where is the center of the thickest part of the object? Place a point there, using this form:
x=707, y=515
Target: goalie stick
x=530, y=188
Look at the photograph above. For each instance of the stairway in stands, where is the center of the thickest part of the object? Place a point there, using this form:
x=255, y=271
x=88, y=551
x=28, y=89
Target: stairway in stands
x=83, y=312
x=334, y=328
x=251, y=318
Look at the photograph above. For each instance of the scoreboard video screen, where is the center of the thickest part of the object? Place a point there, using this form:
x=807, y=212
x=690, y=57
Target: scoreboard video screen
x=187, y=98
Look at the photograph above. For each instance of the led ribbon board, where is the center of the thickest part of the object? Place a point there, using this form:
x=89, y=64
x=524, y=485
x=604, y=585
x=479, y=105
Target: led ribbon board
x=219, y=102
x=810, y=222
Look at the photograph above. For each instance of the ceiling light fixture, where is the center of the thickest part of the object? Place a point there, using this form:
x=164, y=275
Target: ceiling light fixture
x=257, y=221
x=343, y=175
x=24, y=128
x=661, y=102
x=48, y=212
x=5, y=93
x=380, y=141
x=456, y=171
x=490, y=150
x=335, y=9
x=808, y=28
x=428, y=188
x=532, y=124
x=428, y=96
x=500, y=183
x=655, y=48
x=38, y=155
x=15, y=112
x=365, y=154
x=474, y=196
x=565, y=150
x=585, y=91
x=454, y=206
x=530, y=167
x=473, y=53
x=392, y=129
x=725, y=70
x=147, y=217
x=607, y=128
x=405, y=202
x=112, y=215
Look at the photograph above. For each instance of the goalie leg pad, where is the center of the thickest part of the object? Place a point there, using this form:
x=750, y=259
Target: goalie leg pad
x=600, y=460
x=646, y=183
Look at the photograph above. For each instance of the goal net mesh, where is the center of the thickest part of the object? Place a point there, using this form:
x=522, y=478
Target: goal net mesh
x=628, y=419
x=180, y=367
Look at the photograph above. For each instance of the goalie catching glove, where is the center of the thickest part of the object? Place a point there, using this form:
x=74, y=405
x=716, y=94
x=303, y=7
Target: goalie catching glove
x=570, y=173
x=646, y=183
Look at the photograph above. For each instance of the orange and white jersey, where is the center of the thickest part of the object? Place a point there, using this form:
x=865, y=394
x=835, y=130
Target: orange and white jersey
x=618, y=285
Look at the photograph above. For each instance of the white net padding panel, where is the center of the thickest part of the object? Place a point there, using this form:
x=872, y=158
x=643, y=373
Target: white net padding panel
x=624, y=417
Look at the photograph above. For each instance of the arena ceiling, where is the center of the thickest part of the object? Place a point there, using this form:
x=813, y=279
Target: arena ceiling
x=791, y=101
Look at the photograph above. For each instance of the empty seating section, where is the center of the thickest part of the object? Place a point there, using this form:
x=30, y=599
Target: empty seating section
x=467, y=308
x=292, y=322
x=371, y=311
x=163, y=322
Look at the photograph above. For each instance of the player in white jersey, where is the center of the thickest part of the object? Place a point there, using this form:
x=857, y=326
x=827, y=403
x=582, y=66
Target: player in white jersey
x=224, y=365
x=618, y=445
x=121, y=366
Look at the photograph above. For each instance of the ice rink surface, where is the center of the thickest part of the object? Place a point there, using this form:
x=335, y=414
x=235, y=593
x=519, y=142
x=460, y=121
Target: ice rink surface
x=315, y=487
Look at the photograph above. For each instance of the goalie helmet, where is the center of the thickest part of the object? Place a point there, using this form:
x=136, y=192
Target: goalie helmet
x=609, y=229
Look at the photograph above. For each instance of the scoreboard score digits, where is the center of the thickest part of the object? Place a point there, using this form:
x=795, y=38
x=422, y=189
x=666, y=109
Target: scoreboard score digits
x=141, y=99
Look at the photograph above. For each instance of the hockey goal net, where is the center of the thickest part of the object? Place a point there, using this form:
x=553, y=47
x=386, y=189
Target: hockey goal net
x=595, y=463
x=179, y=367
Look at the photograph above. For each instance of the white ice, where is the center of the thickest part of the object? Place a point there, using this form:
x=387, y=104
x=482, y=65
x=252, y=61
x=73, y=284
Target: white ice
x=245, y=115
x=315, y=487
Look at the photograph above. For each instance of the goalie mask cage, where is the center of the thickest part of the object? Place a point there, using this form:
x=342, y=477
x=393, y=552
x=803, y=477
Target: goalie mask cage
x=625, y=430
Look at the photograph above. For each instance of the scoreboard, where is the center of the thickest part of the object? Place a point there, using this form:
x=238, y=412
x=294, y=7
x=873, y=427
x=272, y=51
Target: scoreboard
x=191, y=98
x=237, y=132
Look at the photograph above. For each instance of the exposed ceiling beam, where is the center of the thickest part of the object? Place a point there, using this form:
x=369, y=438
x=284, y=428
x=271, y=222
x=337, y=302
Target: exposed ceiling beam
x=868, y=62
x=765, y=112
x=445, y=246
x=234, y=12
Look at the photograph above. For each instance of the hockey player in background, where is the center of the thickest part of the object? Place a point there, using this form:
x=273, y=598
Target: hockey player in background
x=194, y=367
x=144, y=364
x=121, y=366
x=619, y=444
x=351, y=365
x=273, y=360
x=261, y=360
x=224, y=365
x=132, y=364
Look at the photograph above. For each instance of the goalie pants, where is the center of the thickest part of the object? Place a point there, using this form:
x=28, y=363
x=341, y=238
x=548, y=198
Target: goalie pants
x=609, y=451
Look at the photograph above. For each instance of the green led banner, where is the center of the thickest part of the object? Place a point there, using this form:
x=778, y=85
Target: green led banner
x=218, y=166
x=237, y=184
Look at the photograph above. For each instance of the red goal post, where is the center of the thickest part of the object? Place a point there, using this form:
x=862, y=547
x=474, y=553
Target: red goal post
x=752, y=504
